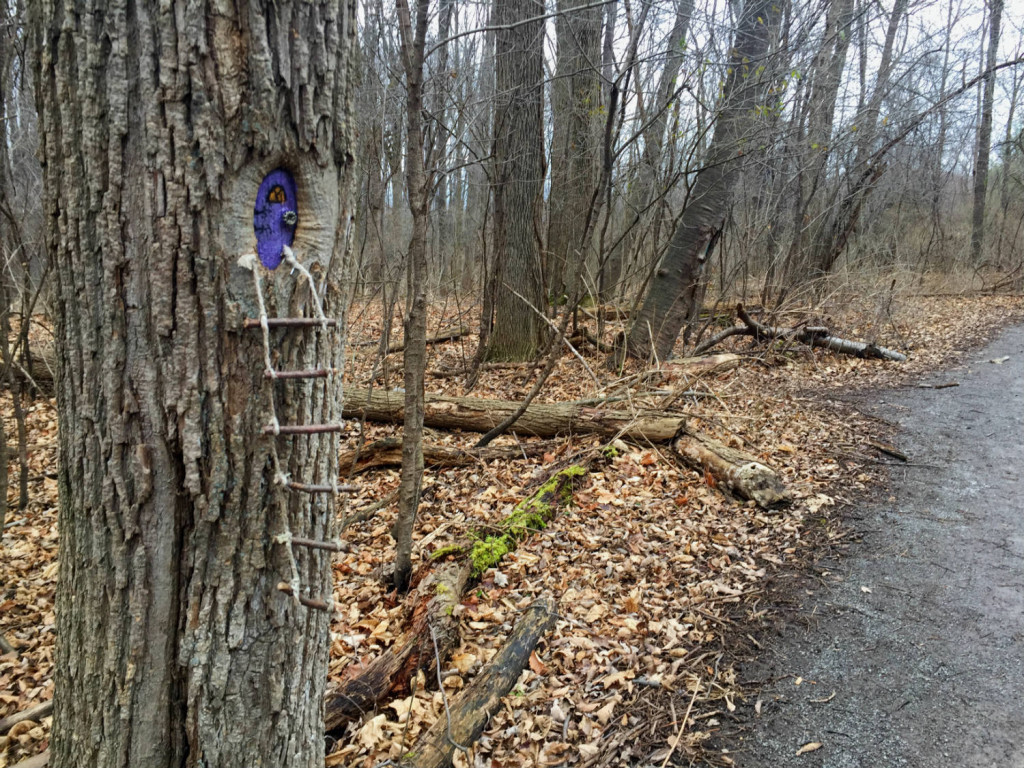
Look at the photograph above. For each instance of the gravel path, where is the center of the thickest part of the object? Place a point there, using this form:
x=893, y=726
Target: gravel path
x=911, y=648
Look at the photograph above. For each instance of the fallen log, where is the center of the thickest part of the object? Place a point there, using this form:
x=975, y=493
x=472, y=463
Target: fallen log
x=448, y=334
x=540, y=419
x=36, y=761
x=388, y=675
x=388, y=453
x=812, y=336
x=469, y=713
x=38, y=712
x=739, y=472
x=529, y=516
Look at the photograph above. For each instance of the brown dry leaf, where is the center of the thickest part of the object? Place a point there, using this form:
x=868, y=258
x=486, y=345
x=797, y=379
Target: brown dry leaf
x=617, y=677
x=538, y=666
x=811, y=746
x=464, y=662
x=604, y=714
x=590, y=751
x=372, y=732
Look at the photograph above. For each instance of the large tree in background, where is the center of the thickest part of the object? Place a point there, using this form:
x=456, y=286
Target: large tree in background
x=575, y=144
x=518, y=175
x=176, y=644
x=676, y=290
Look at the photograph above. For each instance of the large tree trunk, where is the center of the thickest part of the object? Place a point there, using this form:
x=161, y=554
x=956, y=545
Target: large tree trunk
x=575, y=95
x=518, y=174
x=676, y=291
x=175, y=645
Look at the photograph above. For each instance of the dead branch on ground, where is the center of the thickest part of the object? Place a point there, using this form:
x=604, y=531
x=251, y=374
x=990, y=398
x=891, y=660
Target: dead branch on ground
x=812, y=336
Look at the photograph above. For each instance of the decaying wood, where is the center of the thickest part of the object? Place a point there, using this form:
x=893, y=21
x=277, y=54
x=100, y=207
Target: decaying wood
x=739, y=472
x=540, y=419
x=470, y=712
x=387, y=676
x=701, y=366
x=585, y=336
x=388, y=453
x=607, y=312
x=526, y=518
x=38, y=712
x=448, y=334
x=813, y=336
x=36, y=761
x=432, y=607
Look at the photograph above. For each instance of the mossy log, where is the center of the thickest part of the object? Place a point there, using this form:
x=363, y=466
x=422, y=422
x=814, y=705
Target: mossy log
x=530, y=515
x=540, y=419
x=737, y=471
x=433, y=606
x=388, y=453
x=388, y=676
x=475, y=706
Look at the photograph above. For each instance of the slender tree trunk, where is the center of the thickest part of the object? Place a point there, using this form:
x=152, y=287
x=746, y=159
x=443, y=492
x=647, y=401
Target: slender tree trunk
x=676, y=290
x=176, y=645
x=832, y=238
x=415, y=358
x=816, y=147
x=639, y=212
x=518, y=175
x=985, y=135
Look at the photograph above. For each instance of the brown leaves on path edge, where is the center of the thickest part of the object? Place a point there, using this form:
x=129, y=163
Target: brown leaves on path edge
x=658, y=576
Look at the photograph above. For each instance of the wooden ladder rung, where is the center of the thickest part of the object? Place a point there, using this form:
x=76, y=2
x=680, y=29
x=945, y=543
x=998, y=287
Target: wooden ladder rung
x=289, y=322
x=316, y=373
x=320, y=605
x=303, y=429
x=320, y=488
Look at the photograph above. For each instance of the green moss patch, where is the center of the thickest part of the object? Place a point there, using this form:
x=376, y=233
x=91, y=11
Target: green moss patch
x=530, y=515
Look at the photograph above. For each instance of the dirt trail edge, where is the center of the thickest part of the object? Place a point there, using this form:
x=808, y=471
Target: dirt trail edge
x=911, y=649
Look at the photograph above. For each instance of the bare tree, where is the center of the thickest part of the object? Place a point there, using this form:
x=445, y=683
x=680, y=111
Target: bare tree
x=175, y=141
x=419, y=185
x=985, y=134
x=676, y=291
x=518, y=175
x=575, y=144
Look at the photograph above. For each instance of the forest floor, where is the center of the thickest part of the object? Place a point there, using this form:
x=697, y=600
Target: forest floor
x=667, y=588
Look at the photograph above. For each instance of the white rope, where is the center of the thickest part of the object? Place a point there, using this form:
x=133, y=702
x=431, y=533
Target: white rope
x=251, y=262
x=295, y=264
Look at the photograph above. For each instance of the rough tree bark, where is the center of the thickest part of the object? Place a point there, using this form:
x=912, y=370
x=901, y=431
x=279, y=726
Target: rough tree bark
x=518, y=174
x=676, y=290
x=575, y=144
x=175, y=646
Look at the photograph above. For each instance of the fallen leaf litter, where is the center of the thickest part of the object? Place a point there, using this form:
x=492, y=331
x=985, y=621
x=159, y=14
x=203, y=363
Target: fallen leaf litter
x=656, y=573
